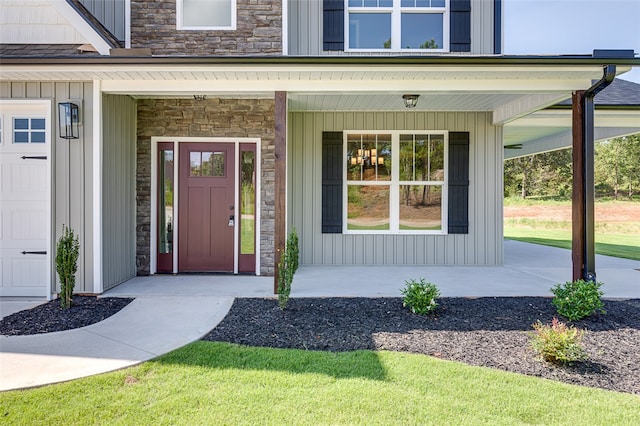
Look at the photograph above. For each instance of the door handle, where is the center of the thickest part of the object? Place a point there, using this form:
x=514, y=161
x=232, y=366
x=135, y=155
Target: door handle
x=232, y=221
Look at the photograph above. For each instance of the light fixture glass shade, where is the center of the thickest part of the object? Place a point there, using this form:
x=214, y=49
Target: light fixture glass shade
x=410, y=101
x=68, y=120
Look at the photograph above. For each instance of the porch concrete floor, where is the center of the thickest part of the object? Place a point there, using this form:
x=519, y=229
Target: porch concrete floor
x=529, y=270
x=171, y=311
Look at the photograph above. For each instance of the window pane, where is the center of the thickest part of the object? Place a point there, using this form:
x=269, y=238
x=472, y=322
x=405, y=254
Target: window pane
x=206, y=13
x=370, y=30
x=21, y=123
x=406, y=157
x=382, y=157
x=195, y=159
x=436, y=158
x=422, y=31
x=37, y=123
x=368, y=207
x=37, y=137
x=354, y=157
x=207, y=164
x=218, y=164
x=21, y=137
x=247, y=203
x=420, y=207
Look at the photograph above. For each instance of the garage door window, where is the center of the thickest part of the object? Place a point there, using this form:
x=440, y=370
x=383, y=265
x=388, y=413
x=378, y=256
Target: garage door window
x=29, y=130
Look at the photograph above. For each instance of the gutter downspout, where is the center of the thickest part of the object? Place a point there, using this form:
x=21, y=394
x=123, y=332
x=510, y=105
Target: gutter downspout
x=588, y=272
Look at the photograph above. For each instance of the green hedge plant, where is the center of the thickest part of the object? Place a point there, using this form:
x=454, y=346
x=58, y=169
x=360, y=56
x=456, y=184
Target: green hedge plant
x=287, y=267
x=420, y=296
x=575, y=300
x=558, y=343
x=67, y=252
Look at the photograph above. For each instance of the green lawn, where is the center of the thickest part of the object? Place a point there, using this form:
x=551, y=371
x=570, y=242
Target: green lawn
x=625, y=246
x=219, y=383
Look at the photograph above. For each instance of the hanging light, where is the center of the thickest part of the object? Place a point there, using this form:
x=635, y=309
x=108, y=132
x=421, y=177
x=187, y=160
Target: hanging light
x=68, y=120
x=410, y=101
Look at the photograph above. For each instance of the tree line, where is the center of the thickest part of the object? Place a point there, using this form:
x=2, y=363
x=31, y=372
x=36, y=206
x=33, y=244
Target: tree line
x=617, y=171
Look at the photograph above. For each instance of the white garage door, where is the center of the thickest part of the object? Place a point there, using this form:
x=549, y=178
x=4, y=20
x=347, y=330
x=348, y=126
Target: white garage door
x=24, y=199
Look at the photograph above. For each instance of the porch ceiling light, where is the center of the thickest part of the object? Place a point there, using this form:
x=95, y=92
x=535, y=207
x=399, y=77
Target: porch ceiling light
x=410, y=101
x=68, y=120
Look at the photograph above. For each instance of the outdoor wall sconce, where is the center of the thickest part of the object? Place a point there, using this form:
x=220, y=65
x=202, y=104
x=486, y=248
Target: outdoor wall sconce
x=410, y=101
x=68, y=120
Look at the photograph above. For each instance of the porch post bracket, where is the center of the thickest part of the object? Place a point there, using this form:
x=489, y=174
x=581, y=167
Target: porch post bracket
x=583, y=249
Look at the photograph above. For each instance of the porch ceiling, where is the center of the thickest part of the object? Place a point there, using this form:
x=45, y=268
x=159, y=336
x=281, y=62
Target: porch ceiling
x=511, y=88
x=550, y=130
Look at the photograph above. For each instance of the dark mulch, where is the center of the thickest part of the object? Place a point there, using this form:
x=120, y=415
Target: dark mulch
x=490, y=332
x=49, y=317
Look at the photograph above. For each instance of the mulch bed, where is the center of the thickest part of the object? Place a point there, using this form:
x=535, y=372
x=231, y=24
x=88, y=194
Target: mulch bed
x=489, y=332
x=49, y=317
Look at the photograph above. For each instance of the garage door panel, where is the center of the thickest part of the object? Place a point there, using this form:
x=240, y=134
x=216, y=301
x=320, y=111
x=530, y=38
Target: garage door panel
x=23, y=179
x=24, y=200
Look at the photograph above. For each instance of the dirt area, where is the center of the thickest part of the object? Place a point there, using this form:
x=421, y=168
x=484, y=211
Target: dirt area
x=606, y=212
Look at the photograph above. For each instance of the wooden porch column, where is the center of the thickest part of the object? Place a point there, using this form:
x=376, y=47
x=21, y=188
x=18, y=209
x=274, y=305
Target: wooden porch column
x=280, y=191
x=578, y=197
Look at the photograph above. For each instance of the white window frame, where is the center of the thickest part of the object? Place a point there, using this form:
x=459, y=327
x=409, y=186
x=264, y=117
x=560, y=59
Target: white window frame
x=396, y=27
x=29, y=130
x=180, y=18
x=394, y=183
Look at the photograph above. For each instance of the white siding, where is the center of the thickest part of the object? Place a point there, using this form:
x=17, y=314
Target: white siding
x=35, y=22
x=482, y=246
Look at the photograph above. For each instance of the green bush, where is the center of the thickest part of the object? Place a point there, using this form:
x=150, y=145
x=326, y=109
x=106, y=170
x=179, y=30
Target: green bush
x=575, y=300
x=287, y=267
x=67, y=251
x=420, y=296
x=558, y=343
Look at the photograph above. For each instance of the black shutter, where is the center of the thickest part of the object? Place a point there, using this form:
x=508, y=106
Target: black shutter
x=332, y=183
x=333, y=24
x=460, y=26
x=458, y=182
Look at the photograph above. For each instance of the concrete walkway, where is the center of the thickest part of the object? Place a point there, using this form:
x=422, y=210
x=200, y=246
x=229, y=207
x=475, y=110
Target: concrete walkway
x=171, y=311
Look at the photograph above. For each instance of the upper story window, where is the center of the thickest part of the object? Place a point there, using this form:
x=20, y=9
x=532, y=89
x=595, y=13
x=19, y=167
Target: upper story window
x=206, y=14
x=397, y=25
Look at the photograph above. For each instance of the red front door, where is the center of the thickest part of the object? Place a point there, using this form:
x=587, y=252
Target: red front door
x=206, y=207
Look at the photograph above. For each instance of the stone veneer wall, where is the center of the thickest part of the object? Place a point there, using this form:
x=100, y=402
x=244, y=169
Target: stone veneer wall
x=246, y=118
x=258, y=30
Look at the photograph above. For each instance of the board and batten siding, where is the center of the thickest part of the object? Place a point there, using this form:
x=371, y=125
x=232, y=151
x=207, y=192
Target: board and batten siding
x=118, y=189
x=72, y=170
x=305, y=29
x=483, y=245
x=110, y=13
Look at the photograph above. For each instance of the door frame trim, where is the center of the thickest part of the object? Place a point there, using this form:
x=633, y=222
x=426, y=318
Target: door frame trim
x=153, y=265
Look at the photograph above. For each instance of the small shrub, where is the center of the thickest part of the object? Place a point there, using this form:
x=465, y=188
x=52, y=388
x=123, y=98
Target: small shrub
x=420, y=296
x=67, y=251
x=575, y=300
x=287, y=268
x=558, y=343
